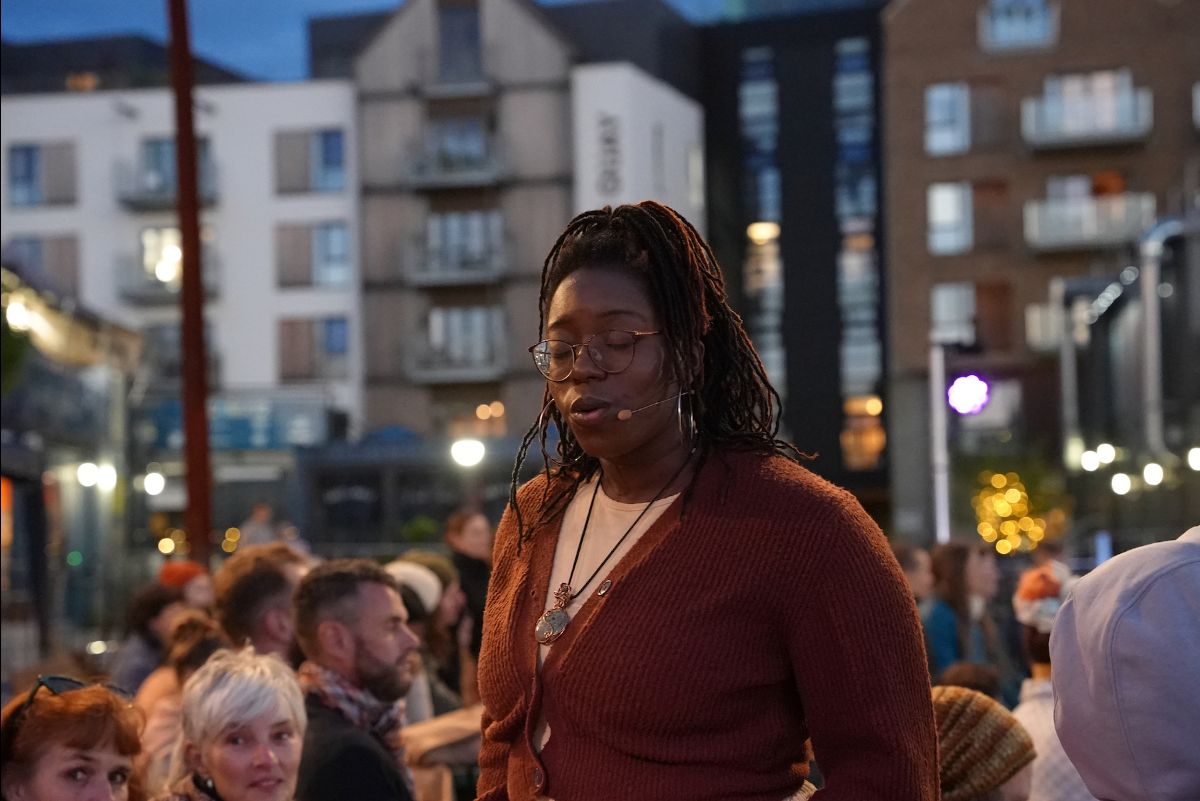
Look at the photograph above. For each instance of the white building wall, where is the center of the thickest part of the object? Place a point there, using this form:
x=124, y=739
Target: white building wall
x=240, y=122
x=636, y=138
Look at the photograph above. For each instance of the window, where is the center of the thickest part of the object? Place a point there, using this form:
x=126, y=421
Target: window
x=162, y=254
x=464, y=239
x=459, y=50
x=329, y=169
x=41, y=174
x=51, y=262
x=331, y=255
x=24, y=175
x=1018, y=25
x=466, y=336
x=1094, y=102
x=952, y=313
x=313, y=254
x=158, y=166
x=949, y=210
x=947, y=119
x=310, y=161
x=459, y=143
x=314, y=349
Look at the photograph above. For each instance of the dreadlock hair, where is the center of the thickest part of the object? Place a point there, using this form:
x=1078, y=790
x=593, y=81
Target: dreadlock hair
x=729, y=396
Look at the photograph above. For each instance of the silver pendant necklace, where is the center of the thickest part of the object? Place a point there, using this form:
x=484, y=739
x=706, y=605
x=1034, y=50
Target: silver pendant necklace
x=554, y=621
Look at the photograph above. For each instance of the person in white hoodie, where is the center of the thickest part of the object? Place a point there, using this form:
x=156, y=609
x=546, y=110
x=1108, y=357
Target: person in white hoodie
x=1126, y=655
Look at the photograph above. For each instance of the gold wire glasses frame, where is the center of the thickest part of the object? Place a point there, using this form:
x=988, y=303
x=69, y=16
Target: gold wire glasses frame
x=611, y=351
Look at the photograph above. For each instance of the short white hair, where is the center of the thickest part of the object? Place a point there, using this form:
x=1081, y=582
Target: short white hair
x=232, y=688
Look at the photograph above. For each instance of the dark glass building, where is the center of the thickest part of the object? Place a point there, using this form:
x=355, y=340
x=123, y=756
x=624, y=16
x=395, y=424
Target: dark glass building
x=793, y=160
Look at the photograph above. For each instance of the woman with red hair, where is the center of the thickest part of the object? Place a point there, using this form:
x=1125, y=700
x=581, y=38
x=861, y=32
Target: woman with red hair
x=69, y=739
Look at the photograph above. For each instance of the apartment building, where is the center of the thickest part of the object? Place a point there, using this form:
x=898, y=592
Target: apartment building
x=1027, y=141
x=469, y=155
x=88, y=191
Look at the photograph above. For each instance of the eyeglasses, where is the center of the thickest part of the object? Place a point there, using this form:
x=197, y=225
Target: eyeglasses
x=57, y=685
x=611, y=351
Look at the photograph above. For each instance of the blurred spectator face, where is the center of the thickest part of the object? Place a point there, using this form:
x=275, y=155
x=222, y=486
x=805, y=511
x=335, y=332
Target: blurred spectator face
x=474, y=538
x=95, y=774
x=256, y=760
x=198, y=593
x=1019, y=786
x=920, y=575
x=164, y=622
x=982, y=575
x=382, y=643
x=450, y=607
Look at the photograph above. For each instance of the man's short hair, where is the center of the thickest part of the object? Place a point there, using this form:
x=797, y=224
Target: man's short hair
x=329, y=591
x=250, y=582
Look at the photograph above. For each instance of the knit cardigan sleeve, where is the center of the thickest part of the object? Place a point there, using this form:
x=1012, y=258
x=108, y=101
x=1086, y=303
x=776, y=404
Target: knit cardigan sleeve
x=866, y=693
x=500, y=726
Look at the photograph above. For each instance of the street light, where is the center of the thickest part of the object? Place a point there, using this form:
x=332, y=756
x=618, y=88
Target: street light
x=1089, y=461
x=154, y=483
x=87, y=474
x=1121, y=483
x=1106, y=452
x=467, y=452
x=1194, y=458
x=968, y=394
x=1152, y=473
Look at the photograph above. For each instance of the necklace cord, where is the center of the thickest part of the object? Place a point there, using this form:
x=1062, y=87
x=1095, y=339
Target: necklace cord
x=632, y=526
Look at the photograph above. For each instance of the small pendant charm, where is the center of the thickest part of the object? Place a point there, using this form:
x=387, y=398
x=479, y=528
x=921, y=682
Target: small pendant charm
x=553, y=621
x=551, y=625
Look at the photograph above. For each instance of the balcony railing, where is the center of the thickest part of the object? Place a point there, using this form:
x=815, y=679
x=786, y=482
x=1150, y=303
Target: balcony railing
x=1013, y=28
x=1087, y=223
x=141, y=189
x=442, y=168
x=1055, y=122
x=481, y=361
x=427, y=266
x=463, y=77
x=139, y=287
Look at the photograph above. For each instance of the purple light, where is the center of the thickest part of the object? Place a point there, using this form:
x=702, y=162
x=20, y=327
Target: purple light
x=968, y=394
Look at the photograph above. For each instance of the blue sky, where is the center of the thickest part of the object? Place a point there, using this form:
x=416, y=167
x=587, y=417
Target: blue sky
x=265, y=39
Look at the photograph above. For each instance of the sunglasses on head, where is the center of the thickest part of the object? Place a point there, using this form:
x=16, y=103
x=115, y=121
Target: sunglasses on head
x=57, y=685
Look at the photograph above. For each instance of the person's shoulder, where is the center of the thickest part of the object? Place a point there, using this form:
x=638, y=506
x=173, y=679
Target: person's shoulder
x=778, y=485
x=331, y=740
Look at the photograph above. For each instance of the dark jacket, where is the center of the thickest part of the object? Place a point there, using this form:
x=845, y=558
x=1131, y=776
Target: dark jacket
x=342, y=761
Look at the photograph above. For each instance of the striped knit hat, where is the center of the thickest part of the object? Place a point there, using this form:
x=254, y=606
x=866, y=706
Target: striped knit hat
x=981, y=744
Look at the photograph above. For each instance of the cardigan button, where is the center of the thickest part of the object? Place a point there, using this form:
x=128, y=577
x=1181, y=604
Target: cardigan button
x=537, y=778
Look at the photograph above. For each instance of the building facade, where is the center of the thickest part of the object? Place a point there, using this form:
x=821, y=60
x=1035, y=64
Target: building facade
x=1026, y=142
x=793, y=170
x=88, y=191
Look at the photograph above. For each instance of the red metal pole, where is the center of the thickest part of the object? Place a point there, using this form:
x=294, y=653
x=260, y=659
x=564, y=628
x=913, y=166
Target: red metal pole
x=198, y=519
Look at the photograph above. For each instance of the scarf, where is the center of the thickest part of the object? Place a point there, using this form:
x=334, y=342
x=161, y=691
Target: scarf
x=360, y=707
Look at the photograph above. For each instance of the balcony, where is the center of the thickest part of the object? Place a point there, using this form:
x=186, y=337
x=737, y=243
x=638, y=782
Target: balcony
x=1196, y=105
x=1089, y=223
x=427, y=266
x=140, y=189
x=1054, y=122
x=468, y=76
x=443, y=168
x=480, y=362
x=1017, y=28
x=140, y=288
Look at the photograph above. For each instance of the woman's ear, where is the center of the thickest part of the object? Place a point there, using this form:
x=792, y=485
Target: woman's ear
x=193, y=759
x=12, y=789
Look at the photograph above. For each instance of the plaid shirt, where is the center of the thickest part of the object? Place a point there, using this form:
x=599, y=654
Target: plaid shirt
x=1054, y=777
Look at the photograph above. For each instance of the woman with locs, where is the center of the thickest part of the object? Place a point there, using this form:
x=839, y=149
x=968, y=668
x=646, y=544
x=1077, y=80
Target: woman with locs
x=677, y=607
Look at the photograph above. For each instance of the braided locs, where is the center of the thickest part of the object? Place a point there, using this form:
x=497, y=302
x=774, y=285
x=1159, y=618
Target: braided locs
x=731, y=399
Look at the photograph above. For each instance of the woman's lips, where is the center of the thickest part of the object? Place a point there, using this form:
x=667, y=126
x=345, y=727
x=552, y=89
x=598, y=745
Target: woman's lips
x=589, y=411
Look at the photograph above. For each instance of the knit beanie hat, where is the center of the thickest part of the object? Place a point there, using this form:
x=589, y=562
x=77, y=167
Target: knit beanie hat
x=981, y=744
x=178, y=572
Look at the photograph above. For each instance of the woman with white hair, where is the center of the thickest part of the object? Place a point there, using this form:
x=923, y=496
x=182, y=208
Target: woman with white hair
x=243, y=729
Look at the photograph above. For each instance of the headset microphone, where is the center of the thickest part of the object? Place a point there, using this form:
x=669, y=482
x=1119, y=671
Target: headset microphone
x=625, y=414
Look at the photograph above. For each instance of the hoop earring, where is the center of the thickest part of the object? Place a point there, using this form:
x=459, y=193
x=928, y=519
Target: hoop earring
x=541, y=421
x=688, y=438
